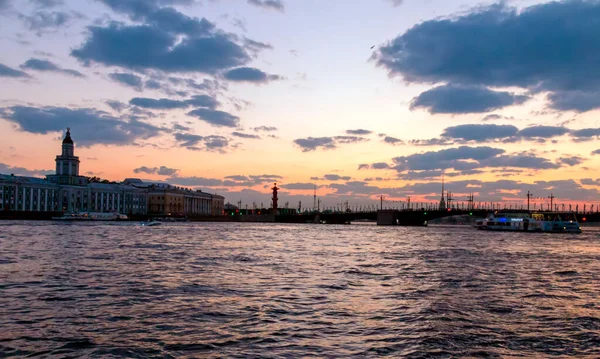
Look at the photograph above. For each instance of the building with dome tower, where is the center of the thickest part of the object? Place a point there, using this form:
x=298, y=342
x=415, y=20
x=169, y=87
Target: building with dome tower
x=67, y=165
x=66, y=191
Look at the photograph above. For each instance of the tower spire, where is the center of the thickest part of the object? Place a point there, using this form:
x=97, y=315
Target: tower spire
x=315, y=198
x=442, y=200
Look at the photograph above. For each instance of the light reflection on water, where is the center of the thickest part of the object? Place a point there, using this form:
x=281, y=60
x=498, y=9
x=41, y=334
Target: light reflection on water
x=244, y=290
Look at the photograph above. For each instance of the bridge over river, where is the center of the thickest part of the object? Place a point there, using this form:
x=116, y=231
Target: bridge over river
x=394, y=217
x=386, y=217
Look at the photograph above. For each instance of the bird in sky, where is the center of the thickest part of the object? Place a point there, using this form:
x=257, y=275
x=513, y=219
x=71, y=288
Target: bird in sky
x=372, y=47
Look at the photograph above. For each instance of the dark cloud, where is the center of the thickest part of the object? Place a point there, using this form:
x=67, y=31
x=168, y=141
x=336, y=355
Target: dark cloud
x=590, y=182
x=396, y=3
x=20, y=171
x=211, y=86
x=130, y=80
x=519, y=161
x=6, y=71
x=393, y=140
x=459, y=99
x=571, y=161
x=543, y=131
x=4, y=4
x=445, y=159
x=216, y=143
x=188, y=139
x=249, y=74
x=268, y=4
x=265, y=129
x=421, y=175
x=539, y=48
x=116, y=105
x=46, y=3
x=299, y=186
x=150, y=47
x=161, y=171
x=203, y=143
x=195, y=181
x=575, y=100
x=215, y=118
x=349, y=139
x=585, y=134
x=88, y=126
x=359, y=188
x=595, y=152
x=380, y=166
x=359, y=132
x=168, y=19
x=44, y=20
x=229, y=181
x=467, y=160
x=152, y=84
x=157, y=104
x=240, y=178
x=479, y=133
x=179, y=127
x=313, y=143
x=245, y=135
x=432, y=142
x=334, y=177
x=45, y=65
x=168, y=104
x=256, y=46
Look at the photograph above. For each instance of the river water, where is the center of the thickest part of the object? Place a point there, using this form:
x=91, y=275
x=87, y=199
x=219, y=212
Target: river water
x=285, y=291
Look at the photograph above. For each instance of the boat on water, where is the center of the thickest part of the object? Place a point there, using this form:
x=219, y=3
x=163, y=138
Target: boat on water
x=93, y=216
x=151, y=223
x=551, y=222
x=73, y=217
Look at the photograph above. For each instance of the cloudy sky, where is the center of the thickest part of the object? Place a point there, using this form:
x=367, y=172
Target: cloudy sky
x=361, y=98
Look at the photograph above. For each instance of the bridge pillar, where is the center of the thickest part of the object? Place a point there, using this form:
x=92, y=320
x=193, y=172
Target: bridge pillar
x=387, y=217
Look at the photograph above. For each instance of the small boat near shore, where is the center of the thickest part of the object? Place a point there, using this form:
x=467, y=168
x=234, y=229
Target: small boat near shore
x=73, y=217
x=150, y=223
x=91, y=216
x=549, y=222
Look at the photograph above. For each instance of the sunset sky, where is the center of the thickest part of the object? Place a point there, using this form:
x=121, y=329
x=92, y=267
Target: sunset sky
x=362, y=98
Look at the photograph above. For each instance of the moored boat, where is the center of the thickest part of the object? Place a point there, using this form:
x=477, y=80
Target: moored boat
x=93, y=216
x=73, y=217
x=551, y=222
x=151, y=223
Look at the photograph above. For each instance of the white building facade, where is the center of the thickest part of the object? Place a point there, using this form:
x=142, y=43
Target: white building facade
x=67, y=191
x=28, y=194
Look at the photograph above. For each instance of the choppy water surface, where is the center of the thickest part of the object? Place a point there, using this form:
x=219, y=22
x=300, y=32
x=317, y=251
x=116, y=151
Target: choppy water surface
x=248, y=290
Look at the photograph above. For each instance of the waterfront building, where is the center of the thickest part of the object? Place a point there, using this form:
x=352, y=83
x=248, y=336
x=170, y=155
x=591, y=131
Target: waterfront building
x=218, y=205
x=115, y=197
x=165, y=199
x=67, y=165
x=28, y=194
x=67, y=191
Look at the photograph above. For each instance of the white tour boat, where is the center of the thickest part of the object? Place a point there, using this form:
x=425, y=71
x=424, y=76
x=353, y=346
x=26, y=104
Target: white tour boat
x=553, y=222
x=73, y=217
x=91, y=216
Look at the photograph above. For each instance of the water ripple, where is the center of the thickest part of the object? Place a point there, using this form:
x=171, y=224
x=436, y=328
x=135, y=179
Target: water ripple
x=277, y=291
